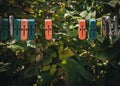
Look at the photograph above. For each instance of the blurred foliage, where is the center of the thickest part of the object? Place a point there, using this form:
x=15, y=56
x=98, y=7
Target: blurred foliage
x=66, y=60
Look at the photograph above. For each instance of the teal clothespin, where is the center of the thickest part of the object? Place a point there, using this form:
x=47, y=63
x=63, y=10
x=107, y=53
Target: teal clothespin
x=4, y=29
x=17, y=27
x=92, y=29
x=31, y=29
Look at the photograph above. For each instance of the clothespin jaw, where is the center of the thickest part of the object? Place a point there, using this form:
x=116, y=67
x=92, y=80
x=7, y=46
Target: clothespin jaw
x=103, y=27
x=48, y=29
x=4, y=29
x=92, y=29
x=24, y=29
x=115, y=25
x=11, y=19
x=17, y=27
x=82, y=29
x=31, y=29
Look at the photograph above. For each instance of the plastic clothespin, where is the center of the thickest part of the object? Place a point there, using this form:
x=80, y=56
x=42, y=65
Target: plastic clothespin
x=11, y=20
x=4, y=29
x=17, y=27
x=0, y=22
x=108, y=26
x=24, y=29
x=82, y=30
x=103, y=27
x=48, y=29
x=31, y=29
x=115, y=25
x=92, y=29
x=0, y=26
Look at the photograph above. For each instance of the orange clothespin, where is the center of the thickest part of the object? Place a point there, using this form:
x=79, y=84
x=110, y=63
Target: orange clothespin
x=48, y=29
x=24, y=29
x=82, y=29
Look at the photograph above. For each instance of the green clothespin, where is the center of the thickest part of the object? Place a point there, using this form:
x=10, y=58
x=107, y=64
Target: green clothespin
x=17, y=27
x=92, y=29
x=31, y=29
x=4, y=29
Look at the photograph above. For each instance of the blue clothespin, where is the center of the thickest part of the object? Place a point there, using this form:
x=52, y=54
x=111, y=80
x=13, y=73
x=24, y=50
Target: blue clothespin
x=4, y=29
x=92, y=29
x=31, y=29
x=17, y=27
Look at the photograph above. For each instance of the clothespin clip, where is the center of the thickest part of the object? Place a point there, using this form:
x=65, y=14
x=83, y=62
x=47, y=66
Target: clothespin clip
x=31, y=29
x=82, y=30
x=11, y=19
x=103, y=27
x=17, y=27
x=115, y=25
x=24, y=29
x=92, y=29
x=4, y=29
x=48, y=29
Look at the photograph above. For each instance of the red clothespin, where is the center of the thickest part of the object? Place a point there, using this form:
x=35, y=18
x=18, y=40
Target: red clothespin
x=24, y=29
x=48, y=29
x=82, y=29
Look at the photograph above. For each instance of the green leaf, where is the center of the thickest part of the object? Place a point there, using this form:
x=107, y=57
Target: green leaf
x=46, y=68
x=83, y=13
x=85, y=73
x=71, y=68
x=31, y=71
x=64, y=53
x=53, y=69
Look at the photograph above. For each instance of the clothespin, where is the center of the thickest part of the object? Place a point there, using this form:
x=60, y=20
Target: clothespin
x=82, y=30
x=4, y=29
x=11, y=19
x=103, y=27
x=48, y=29
x=108, y=26
x=92, y=29
x=115, y=25
x=0, y=21
x=31, y=29
x=24, y=29
x=0, y=26
x=17, y=27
